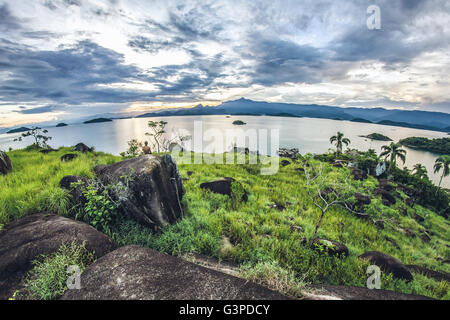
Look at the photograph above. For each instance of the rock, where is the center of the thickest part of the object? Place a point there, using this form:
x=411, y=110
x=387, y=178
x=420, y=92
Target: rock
x=388, y=264
x=332, y=248
x=289, y=153
x=425, y=237
x=24, y=240
x=406, y=190
x=136, y=273
x=384, y=184
x=409, y=201
x=297, y=228
x=359, y=174
x=358, y=293
x=388, y=199
x=285, y=163
x=47, y=151
x=81, y=147
x=379, y=224
x=76, y=192
x=393, y=242
x=403, y=211
x=436, y=275
x=5, y=163
x=418, y=218
x=278, y=206
x=152, y=189
x=69, y=157
x=222, y=186
x=362, y=199
x=326, y=192
x=409, y=233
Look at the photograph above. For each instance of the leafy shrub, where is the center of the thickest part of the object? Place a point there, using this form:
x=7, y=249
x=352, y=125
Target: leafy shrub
x=48, y=278
x=134, y=149
x=100, y=208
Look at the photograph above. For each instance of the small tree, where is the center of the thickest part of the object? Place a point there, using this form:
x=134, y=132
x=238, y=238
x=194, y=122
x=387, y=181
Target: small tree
x=39, y=136
x=393, y=151
x=134, y=149
x=442, y=163
x=420, y=171
x=326, y=192
x=159, y=140
x=157, y=129
x=339, y=140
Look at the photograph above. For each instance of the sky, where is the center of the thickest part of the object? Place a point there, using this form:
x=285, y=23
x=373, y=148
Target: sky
x=62, y=60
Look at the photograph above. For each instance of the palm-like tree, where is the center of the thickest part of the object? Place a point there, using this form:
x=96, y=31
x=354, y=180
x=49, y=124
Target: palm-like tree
x=420, y=171
x=339, y=141
x=393, y=151
x=443, y=162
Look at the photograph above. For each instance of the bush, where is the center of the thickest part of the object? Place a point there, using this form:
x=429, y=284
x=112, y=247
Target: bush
x=48, y=278
x=426, y=193
x=100, y=209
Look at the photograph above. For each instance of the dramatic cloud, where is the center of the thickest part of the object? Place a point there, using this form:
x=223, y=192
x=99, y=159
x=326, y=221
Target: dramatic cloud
x=62, y=59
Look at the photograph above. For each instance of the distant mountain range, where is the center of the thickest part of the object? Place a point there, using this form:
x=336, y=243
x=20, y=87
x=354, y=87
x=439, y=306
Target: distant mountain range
x=436, y=121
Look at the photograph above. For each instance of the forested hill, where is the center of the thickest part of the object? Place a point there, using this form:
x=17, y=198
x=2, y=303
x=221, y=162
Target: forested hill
x=437, y=121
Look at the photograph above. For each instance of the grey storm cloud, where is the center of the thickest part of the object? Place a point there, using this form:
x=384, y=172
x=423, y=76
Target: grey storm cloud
x=67, y=76
x=7, y=20
x=80, y=73
x=38, y=110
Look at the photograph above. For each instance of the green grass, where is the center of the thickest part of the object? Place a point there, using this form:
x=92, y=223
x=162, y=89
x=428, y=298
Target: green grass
x=48, y=278
x=263, y=240
x=34, y=183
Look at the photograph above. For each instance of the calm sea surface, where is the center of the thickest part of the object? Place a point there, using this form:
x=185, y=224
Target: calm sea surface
x=306, y=134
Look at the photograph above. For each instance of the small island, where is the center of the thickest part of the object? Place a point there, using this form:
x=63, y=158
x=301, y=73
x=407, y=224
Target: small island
x=59, y=125
x=98, y=120
x=377, y=136
x=17, y=130
x=239, y=123
x=440, y=146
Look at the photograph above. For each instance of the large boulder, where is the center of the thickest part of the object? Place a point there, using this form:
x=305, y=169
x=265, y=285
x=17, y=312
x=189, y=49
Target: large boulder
x=69, y=157
x=358, y=293
x=24, y=240
x=223, y=186
x=289, y=153
x=388, y=199
x=362, y=199
x=151, y=191
x=81, y=147
x=5, y=163
x=136, y=273
x=436, y=275
x=359, y=174
x=385, y=184
x=388, y=264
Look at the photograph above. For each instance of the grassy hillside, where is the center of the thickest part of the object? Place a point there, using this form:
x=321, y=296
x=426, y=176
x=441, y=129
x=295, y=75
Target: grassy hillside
x=268, y=243
x=34, y=183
